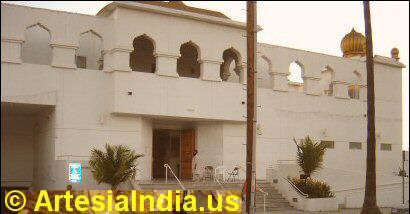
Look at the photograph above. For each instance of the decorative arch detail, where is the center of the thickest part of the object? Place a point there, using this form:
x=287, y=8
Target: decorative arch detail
x=142, y=58
x=36, y=49
x=188, y=64
x=227, y=72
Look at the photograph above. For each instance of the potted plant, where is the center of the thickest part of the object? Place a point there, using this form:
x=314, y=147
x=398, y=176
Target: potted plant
x=309, y=156
x=115, y=165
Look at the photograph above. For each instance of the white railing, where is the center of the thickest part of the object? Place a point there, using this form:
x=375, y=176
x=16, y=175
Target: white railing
x=258, y=188
x=167, y=167
x=264, y=196
x=295, y=187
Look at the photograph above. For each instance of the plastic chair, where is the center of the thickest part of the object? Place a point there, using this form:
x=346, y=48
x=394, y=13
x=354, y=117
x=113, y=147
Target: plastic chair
x=233, y=174
x=220, y=172
x=209, y=173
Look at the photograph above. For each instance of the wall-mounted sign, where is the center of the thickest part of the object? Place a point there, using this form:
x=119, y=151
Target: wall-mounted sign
x=75, y=172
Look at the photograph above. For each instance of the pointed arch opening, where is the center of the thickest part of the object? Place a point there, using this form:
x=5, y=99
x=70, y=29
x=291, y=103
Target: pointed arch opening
x=188, y=64
x=354, y=87
x=264, y=73
x=231, y=68
x=295, y=77
x=326, y=81
x=36, y=49
x=142, y=58
x=89, y=53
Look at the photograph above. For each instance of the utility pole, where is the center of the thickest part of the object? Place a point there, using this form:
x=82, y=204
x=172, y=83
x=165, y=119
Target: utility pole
x=251, y=102
x=370, y=202
x=403, y=174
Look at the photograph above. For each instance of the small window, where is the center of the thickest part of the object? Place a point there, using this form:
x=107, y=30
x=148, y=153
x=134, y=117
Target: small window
x=355, y=145
x=385, y=147
x=81, y=61
x=329, y=144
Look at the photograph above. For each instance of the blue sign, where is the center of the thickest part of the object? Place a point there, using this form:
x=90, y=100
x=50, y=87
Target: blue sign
x=75, y=172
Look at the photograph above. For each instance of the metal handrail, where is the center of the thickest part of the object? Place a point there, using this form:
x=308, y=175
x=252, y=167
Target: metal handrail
x=295, y=187
x=166, y=175
x=264, y=196
x=258, y=188
x=290, y=182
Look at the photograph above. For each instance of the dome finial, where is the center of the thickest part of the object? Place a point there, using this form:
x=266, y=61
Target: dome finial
x=395, y=54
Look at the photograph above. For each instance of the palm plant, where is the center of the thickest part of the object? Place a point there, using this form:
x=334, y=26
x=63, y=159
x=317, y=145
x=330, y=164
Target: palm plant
x=116, y=165
x=310, y=155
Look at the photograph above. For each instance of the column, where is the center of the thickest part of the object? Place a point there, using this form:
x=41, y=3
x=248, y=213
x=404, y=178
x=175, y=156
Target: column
x=280, y=81
x=340, y=90
x=11, y=50
x=117, y=59
x=311, y=85
x=167, y=64
x=210, y=70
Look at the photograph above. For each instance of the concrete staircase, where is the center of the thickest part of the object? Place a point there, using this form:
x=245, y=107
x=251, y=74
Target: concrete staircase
x=274, y=200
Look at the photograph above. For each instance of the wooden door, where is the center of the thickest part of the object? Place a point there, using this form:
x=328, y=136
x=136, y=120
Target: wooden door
x=187, y=150
x=160, y=141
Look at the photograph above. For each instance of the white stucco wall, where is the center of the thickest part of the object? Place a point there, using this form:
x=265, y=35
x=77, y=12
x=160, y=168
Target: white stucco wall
x=93, y=107
x=209, y=141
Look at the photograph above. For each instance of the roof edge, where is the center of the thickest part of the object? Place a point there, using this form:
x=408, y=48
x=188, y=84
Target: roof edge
x=172, y=12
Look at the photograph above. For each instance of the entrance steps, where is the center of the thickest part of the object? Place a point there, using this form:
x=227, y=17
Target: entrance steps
x=274, y=201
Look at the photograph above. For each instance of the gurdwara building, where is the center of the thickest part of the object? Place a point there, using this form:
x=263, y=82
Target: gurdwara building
x=165, y=79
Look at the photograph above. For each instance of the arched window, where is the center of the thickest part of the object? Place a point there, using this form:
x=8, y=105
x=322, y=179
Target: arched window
x=263, y=74
x=36, y=48
x=187, y=64
x=296, y=72
x=142, y=58
x=296, y=76
x=354, y=88
x=326, y=81
x=230, y=71
x=89, y=53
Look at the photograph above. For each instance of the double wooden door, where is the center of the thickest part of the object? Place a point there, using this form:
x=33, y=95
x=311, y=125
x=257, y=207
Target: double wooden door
x=187, y=151
x=161, y=138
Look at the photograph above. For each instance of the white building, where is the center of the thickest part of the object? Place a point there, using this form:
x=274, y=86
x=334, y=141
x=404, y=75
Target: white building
x=162, y=76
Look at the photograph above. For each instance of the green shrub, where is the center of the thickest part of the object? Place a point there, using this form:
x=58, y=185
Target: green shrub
x=115, y=165
x=310, y=155
x=314, y=188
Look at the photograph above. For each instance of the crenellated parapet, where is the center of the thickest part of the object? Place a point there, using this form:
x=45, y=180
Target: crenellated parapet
x=125, y=38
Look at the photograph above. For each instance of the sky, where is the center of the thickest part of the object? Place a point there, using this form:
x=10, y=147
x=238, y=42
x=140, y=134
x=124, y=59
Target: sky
x=312, y=26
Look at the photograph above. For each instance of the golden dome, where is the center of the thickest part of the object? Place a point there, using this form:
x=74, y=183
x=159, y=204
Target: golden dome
x=395, y=54
x=353, y=44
